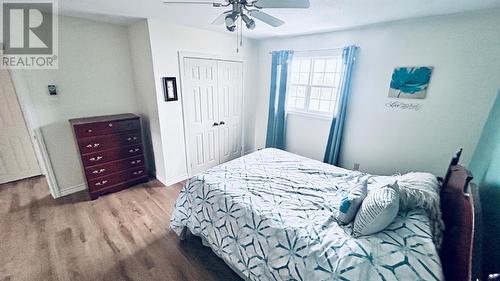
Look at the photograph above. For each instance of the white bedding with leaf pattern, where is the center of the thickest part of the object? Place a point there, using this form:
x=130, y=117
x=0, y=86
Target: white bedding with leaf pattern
x=271, y=216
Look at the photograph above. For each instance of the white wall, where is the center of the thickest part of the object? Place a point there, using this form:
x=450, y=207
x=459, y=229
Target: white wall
x=167, y=40
x=94, y=78
x=464, y=50
x=306, y=135
x=140, y=47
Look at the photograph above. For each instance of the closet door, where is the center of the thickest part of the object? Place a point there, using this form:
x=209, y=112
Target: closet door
x=230, y=77
x=200, y=98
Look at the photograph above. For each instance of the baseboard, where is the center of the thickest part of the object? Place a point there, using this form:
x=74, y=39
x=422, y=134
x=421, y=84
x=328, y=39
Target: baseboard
x=248, y=151
x=175, y=179
x=72, y=189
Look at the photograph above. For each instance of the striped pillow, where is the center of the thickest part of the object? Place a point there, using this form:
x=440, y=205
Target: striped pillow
x=377, y=211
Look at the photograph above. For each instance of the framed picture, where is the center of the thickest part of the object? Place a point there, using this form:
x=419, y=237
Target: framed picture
x=169, y=88
x=410, y=82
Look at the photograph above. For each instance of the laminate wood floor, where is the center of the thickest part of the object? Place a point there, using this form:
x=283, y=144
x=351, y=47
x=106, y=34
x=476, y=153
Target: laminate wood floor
x=120, y=236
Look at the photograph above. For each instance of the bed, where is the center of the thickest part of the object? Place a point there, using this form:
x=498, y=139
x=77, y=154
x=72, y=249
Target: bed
x=270, y=216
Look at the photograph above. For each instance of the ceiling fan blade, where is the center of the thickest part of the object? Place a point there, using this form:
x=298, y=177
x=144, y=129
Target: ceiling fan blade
x=301, y=4
x=221, y=18
x=272, y=21
x=214, y=4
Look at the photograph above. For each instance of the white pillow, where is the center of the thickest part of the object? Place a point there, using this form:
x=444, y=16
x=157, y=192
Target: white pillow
x=349, y=205
x=377, y=211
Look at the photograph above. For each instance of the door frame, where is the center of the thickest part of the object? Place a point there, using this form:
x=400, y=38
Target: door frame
x=194, y=55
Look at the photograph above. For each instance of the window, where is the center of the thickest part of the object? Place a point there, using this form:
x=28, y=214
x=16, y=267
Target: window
x=314, y=83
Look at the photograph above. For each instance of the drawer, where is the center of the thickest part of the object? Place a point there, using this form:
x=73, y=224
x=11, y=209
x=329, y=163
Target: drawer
x=105, y=128
x=105, y=156
x=117, y=187
x=114, y=167
x=90, y=145
x=109, y=180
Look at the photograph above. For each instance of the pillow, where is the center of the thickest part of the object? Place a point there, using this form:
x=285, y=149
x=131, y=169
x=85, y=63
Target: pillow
x=349, y=205
x=377, y=211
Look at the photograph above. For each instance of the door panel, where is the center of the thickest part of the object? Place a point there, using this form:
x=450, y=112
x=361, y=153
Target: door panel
x=230, y=80
x=200, y=100
x=17, y=157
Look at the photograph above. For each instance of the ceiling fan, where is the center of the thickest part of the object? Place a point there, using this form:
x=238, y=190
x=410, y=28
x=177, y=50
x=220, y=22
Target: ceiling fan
x=247, y=10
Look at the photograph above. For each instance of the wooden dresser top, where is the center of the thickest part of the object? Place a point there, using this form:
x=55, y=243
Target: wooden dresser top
x=85, y=120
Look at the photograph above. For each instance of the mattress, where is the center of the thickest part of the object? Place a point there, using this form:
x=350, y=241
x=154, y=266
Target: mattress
x=270, y=215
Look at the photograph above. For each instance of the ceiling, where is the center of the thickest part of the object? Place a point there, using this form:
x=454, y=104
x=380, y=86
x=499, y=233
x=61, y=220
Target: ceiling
x=323, y=15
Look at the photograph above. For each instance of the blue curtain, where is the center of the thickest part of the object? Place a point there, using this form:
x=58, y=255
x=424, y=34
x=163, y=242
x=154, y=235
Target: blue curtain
x=335, y=137
x=276, y=122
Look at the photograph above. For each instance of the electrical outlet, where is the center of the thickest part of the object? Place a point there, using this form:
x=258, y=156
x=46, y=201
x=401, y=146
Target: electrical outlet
x=356, y=167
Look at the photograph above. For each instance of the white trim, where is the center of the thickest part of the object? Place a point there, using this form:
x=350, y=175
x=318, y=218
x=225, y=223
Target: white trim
x=183, y=55
x=175, y=180
x=48, y=170
x=73, y=189
x=310, y=114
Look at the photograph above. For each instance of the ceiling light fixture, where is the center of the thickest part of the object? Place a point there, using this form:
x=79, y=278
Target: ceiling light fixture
x=231, y=21
x=246, y=11
x=250, y=23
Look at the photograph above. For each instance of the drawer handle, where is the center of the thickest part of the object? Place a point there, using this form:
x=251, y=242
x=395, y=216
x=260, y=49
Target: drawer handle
x=93, y=145
x=135, y=162
x=133, y=150
x=110, y=124
x=137, y=173
x=131, y=138
x=96, y=158
x=99, y=171
x=89, y=131
x=101, y=182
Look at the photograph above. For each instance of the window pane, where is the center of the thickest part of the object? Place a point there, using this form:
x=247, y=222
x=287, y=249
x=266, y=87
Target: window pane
x=332, y=105
x=339, y=66
x=295, y=66
x=291, y=102
x=292, y=91
x=304, y=78
x=305, y=65
x=338, y=76
x=329, y=78
x=326, y=94
x=319, y=65
x=300, y=102
x=324, y=106
x=313, y=104
x=331, y=65
x=301, y=91
x=318, y=78
x=295, y=78
x=315, y=93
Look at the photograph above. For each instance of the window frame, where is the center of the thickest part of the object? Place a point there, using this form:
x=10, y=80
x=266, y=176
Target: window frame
x=305, y=111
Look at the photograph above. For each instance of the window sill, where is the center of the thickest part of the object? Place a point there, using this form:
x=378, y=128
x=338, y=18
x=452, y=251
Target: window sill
x=310, y=115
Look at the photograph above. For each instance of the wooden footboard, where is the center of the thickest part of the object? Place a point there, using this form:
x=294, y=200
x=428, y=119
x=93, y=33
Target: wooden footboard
x=457, y=206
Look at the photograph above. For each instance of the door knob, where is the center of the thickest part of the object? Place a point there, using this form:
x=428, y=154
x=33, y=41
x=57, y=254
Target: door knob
x=215, y=124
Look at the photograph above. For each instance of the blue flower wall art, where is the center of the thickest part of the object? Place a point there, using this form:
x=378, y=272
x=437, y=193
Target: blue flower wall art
x=410, y=82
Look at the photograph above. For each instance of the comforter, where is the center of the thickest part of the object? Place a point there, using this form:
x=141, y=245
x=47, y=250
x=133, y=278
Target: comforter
x=270, y=215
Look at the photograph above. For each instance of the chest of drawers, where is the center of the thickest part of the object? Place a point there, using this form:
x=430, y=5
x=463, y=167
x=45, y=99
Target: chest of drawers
x=111, y=152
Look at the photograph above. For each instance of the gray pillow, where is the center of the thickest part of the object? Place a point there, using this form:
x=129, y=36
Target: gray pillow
x=377, y=211
x=350, y=204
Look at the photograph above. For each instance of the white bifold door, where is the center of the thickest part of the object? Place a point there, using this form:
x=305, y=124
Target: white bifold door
x=17, y=156
x=212, y=99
